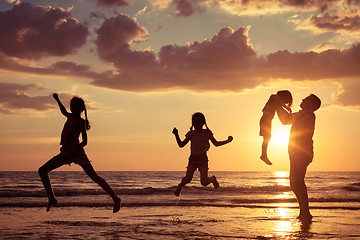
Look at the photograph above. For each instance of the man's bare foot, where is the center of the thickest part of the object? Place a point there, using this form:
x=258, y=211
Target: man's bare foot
x=177, y=190
x=215, y=182
x=51, y=204
x=266, y=160
x=305, y=218
x=117, y=204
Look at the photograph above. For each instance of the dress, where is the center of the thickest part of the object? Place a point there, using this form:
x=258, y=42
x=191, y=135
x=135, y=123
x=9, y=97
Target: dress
x=71, y=151
x=199, y=146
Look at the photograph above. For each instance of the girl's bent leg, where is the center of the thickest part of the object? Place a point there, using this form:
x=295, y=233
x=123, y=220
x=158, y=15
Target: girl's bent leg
x=89, y=170
x=205, y=180
x=43, y=171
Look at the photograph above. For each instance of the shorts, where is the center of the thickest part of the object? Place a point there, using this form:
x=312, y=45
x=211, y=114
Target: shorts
x=265, y=126
x=198, y=161
x=68, y=155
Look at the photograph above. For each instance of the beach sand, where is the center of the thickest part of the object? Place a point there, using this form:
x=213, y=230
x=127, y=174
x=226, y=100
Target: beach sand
x=176, y=222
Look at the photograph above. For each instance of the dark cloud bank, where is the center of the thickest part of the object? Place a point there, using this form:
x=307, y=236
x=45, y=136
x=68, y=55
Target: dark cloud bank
x=226, y=62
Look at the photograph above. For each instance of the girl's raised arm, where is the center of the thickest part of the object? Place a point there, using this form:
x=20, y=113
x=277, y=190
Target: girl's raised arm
x=220, y=143
x=61, y=106
x=284, y=116
x=83, y=136
x=178, y=140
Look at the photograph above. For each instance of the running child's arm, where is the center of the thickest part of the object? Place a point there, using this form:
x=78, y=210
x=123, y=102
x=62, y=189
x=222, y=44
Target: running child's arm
x=61, y=106
x=220, y=143
x=83, y=136
x=178, y=140
x=284, y=116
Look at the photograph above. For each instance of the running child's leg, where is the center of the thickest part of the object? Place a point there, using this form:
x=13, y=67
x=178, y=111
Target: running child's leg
x=43, y=171
x=89, y=170
x=205, y=180
x=187, y=179
x=264, y=148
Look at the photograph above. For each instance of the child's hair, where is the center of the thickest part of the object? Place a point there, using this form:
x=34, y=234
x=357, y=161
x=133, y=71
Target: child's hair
x=286, y=96
x=81, y=103
x=198, y=115
x=316, y=102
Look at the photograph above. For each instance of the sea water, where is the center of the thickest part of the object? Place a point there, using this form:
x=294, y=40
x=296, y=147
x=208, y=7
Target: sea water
x=247, y=205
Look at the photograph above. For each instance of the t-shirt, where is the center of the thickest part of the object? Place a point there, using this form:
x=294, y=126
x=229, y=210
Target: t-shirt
x=199, y=141
x=71, y=131
x=271, y=105
x=302, y=131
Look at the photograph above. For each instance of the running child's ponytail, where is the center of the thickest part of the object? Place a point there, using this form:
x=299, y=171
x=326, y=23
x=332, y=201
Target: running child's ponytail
x=87, y=124
x=81, y=102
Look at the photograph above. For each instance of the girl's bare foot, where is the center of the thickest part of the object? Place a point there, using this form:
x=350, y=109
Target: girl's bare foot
x=265, y=159
x=117, y=204
x=177, y=190
x=51, y=204
x=215, y=182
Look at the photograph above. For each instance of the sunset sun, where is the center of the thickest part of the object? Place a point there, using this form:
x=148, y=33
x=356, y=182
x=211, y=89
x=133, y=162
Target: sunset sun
x=280, y=137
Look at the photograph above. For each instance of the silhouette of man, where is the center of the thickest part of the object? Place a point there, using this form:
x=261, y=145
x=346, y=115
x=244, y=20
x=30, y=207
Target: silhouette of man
x=301, y=148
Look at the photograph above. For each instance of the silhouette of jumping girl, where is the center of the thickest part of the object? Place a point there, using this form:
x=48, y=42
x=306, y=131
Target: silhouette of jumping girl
x=72, y=151
x=199, y=138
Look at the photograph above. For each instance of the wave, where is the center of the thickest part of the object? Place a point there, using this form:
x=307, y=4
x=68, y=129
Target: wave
x=271, y=189
x=354, y=187
x=192, y=203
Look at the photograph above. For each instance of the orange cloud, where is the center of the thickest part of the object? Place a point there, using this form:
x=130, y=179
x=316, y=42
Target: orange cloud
x=13, y=97
x=112, y=3
x=34, y=32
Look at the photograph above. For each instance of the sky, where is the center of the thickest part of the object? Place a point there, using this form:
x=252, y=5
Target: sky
x=144, y=67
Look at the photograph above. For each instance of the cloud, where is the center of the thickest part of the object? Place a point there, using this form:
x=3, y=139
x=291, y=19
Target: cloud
x=113, y=43
x=185, y=8
x=35, y=32
x=226, y=62
x=349, y=95
x=14, y=98
x=337, y=21
x=112, y=3
x=329, y=64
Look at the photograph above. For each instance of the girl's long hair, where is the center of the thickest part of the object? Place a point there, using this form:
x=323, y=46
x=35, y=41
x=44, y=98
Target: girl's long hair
x=286, y=97
x=198, y=115
x=81, y=102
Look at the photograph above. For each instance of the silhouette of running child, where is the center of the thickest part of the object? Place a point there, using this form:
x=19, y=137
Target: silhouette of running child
x=301, y=149
x=72, y=151
x=199, y=138
x=281, y=98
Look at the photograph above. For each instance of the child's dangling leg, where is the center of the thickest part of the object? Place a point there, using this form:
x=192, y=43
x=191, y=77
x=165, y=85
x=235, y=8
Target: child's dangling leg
x=264, y=147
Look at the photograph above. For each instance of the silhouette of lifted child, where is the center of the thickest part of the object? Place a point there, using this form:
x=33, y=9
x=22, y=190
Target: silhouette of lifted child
x=72, y=151
x=281, y=98
x=199, y=138
x=301, y=149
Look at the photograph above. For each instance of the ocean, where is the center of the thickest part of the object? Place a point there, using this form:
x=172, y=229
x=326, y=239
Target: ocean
x=248, y=205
